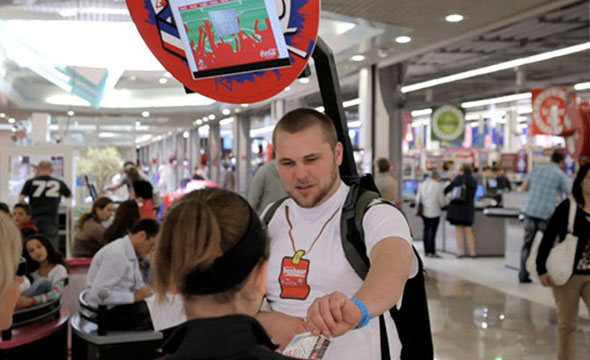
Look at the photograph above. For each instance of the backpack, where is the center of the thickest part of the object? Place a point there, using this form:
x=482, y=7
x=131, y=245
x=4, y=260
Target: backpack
x=412, y=320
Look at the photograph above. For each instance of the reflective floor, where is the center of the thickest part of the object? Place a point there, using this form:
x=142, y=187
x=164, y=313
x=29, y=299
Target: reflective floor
x=471, y=321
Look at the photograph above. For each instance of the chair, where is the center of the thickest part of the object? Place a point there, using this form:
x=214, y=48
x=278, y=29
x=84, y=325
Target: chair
x=91, y=340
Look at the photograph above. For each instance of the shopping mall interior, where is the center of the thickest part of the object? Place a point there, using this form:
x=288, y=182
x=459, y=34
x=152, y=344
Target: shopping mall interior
x=433, y=86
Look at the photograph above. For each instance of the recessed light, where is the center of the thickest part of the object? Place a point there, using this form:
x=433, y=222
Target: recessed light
x=167, y=74
x=71, y=113
x=2, y=115
x=304, y=80
x=11, y=121
x=145, y=114
x=185, y=134
x=287, y=88
x=454, y=18
x=212, y=117
x=199, y=122
x=245, y=105
x=163, y=80
x=403, y=39
x=226, y=111
x=357, y=58
x=205, y=119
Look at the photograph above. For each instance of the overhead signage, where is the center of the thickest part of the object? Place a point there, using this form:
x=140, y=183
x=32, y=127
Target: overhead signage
x=276, y=34
x=549, y=110
x=448, y=124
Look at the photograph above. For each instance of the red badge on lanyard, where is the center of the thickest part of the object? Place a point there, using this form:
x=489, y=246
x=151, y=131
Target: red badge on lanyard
x=295, y=269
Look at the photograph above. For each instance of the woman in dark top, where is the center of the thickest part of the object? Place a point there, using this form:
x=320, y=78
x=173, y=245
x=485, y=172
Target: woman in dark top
x=213, y=250
x=567, y=296
x=126, y=215
x=143, y=192
x=461, y=212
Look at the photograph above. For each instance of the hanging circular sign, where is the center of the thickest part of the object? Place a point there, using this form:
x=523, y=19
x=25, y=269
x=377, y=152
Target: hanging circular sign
x=215, y=42
x=549, y=110
x=448, y=123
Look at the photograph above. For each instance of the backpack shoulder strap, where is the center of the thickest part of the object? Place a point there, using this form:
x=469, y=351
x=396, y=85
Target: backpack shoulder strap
x=272, y=209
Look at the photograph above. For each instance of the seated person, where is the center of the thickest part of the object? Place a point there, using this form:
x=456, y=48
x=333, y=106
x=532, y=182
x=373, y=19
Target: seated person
x=88, y=238
x=5, y=209
x=50, y=278
x=213, y=250
x=115, y=268
x=503, y=184
x=24, y=220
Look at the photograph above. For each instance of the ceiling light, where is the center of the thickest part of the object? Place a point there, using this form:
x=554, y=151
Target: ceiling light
x=304, y=80
x=497, y=100
x=137, y=124
x=145, y=114
x=226, y=111
x=580, y=86
x=357, y=58
x=226, y=121
x=11, y=121
x=205, y=119
x=211, y=117
x=163, y=80
x=421, y=112
x=245, y=105
x=403, y=39
x=352, y=102
x=104, y=135
x=453, y=18
x=68, y=12
x=2, y=115
x=71, y=113
x=287, y=88
x=199, y=122
x=497, y=67
x=185, y=134
x=167, y=74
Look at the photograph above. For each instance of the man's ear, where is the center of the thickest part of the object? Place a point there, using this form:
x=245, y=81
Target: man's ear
x=338, y=153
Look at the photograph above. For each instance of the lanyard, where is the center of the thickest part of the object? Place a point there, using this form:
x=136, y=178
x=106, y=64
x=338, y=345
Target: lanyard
x=299, y=253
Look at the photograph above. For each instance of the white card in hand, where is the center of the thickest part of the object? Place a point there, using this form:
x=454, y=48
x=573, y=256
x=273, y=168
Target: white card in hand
x=307, y=346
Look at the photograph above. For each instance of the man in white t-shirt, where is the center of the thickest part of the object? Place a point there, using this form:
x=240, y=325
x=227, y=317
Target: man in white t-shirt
x=311, y=285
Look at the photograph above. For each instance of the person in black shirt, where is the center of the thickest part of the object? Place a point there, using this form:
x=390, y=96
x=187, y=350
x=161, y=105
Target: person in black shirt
x=213, y=250
x=502, y=182
x=567, y=297
x=44, y=193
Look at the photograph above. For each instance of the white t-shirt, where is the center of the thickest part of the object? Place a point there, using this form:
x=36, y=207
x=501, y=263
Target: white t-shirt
x=329, y=270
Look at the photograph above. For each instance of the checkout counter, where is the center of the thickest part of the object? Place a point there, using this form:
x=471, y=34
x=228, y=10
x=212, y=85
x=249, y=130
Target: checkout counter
x=497, y=230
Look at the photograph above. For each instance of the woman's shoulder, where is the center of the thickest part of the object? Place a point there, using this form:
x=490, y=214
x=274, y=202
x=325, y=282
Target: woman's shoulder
x=58, y=271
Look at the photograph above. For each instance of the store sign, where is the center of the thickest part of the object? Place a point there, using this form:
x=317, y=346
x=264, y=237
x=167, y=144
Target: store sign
x=549, y=110
x=448, y=124
x=298, y=22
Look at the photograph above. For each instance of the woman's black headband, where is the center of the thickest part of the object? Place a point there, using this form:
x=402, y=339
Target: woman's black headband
x=233, y=267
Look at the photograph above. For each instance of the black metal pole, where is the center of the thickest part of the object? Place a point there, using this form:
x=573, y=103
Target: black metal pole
x=325, y=67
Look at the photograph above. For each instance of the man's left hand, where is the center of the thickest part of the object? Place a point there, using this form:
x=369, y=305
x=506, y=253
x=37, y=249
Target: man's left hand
x=332, y=315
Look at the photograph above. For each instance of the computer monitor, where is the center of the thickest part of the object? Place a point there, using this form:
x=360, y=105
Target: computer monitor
x=479, y=192
x=225, y=37
x=410, y=187
x=492, y=184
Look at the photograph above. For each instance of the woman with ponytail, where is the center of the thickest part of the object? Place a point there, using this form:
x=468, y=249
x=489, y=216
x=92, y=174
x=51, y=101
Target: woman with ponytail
x=88, y=238
x=213, y=250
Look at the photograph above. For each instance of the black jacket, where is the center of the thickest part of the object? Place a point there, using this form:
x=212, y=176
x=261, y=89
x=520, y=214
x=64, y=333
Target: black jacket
x=462, y=212
x=238, y=337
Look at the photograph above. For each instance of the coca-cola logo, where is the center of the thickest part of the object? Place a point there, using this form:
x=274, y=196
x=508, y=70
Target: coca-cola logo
x=270, y=53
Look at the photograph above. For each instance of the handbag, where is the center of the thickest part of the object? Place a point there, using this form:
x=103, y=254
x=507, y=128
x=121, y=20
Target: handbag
x=560, y=262
x=419, y=209
x=459, y=193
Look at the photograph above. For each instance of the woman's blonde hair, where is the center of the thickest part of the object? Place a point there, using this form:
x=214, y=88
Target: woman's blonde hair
x=10, y=252
x=196, y=230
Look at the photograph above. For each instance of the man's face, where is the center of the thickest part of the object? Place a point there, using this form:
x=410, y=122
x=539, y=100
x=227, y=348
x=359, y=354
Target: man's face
x=20, y=216
x=307, y=165
x=143, y=243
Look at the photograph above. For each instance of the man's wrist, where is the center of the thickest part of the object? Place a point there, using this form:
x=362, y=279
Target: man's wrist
x=365, y=314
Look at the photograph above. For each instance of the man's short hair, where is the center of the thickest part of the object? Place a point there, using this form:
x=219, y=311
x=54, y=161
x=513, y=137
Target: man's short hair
x=4, y=208
x=26, y=207
x=435, y=175
x=45, y=165
x=150, y=226
x=302, y=119
x=383, y=165
x=128, y=163
x=557, y=157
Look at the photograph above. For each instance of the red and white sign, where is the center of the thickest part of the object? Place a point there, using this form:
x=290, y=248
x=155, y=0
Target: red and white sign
x=549, y=111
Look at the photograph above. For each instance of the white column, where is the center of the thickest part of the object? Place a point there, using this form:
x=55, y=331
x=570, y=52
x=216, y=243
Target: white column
x=277, y=109
x=41, y=128
x=510, y=138
x=366, y=117
x=242, y=149
x=214, y=153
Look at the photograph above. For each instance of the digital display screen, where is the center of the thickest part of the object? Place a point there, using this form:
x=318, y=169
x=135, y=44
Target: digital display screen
x=410, y=187
x=492, y=183
x=479, y=192
x=223, y=37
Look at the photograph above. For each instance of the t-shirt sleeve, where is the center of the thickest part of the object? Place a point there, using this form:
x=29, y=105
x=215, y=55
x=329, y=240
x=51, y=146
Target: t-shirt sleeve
x=27, y=189
x=65, y=190
x=383, y=221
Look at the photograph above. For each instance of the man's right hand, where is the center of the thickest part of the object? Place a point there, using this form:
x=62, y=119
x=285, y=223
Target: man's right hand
x=281, y=327
x=546, y=280
x=142, y=293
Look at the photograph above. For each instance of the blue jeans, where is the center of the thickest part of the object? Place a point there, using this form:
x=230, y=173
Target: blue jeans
x=38, y=287
x=531, y=226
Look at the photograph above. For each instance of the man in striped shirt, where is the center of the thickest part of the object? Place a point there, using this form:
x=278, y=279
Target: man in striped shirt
x=546, y=185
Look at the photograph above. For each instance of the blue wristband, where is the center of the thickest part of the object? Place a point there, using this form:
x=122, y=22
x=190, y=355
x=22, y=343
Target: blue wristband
x=365, y=315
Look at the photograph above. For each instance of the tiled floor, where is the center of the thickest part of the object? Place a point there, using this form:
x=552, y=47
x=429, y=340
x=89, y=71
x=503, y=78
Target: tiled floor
x=479, y=311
